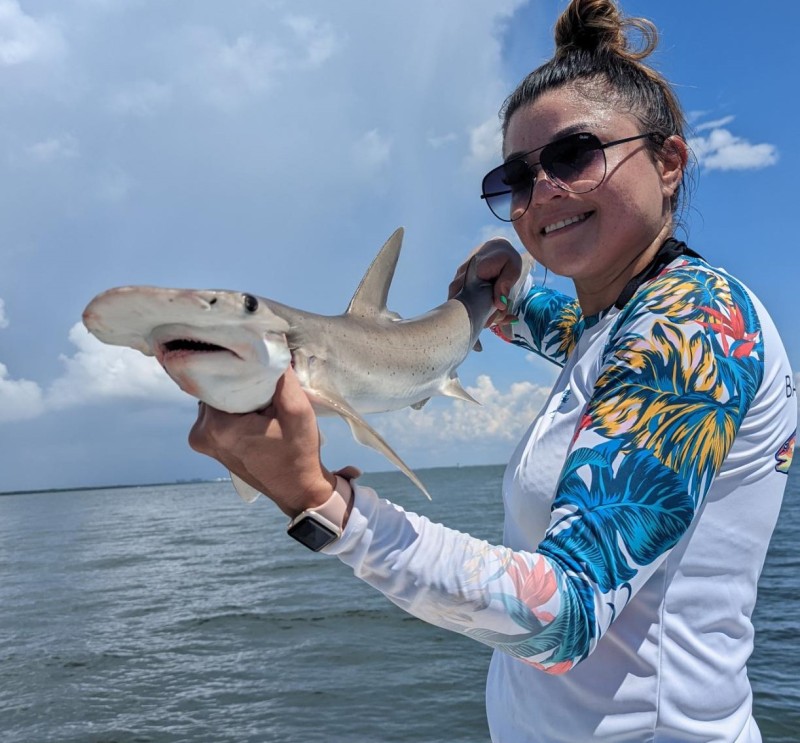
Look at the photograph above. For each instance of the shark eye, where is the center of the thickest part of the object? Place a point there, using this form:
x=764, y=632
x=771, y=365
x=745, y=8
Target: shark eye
x=250, y=302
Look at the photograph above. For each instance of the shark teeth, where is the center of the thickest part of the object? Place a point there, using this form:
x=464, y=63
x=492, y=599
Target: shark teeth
x=565, y=222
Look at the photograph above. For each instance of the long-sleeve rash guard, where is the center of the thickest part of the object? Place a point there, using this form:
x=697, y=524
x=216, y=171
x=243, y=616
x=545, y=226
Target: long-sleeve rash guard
x=639, y=507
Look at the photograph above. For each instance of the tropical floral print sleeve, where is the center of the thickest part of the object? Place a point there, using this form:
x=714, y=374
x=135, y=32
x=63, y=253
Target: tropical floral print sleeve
x=550, y=325
x=676, y=374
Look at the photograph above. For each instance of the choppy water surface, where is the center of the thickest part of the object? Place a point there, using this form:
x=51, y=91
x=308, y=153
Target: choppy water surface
x=176, y=613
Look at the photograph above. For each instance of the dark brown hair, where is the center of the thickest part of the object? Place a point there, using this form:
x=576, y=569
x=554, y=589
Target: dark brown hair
x=595, y=51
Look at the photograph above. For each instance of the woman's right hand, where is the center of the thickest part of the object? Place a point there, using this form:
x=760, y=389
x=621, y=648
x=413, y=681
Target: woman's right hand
x=499, y=262
x=274, y=450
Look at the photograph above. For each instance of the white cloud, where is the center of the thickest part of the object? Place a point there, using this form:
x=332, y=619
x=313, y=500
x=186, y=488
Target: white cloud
x=724, y=121
x=372, y=151
x=20, y=399
x=224, y=73
x=23, y=38
x=48, y=150
x=143, y=99
x=438, y=141
x=485, y=144
x=721, y=150
x=316, y=41
x=248, y=62
x=93, y=373
x=98, y=371
x=228, y=72
x=502, y=416
x=113, y=186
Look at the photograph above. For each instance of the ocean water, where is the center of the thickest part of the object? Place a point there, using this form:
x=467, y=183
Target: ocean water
x=176, y=613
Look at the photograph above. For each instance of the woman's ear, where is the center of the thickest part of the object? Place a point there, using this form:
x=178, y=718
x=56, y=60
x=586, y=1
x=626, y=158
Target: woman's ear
x=673, y=158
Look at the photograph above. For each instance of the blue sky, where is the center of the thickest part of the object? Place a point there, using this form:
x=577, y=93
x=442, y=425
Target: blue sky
x=272, y=147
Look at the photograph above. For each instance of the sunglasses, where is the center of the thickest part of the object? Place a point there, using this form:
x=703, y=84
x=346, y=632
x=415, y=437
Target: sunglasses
x=575, y=163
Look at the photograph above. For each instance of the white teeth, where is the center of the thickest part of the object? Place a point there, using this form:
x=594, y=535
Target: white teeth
x=563, y=223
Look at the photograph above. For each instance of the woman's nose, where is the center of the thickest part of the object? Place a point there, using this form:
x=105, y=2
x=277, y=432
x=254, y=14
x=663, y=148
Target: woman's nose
x=544, y=188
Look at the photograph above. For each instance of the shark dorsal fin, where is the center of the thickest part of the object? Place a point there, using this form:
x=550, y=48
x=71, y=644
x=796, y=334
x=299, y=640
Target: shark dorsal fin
x=370, y=297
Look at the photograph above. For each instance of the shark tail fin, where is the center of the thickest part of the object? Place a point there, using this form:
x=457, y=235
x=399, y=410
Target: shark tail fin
x=364, y=433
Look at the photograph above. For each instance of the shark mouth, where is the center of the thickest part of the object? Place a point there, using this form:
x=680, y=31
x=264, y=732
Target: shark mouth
x=190, y=346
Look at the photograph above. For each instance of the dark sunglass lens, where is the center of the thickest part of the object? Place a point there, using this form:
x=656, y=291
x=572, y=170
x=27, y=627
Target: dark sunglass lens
x=516, y=175
x=576, y=163
x=505, y=187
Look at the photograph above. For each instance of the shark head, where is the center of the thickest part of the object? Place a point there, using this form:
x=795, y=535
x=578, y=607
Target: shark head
x=225, y=348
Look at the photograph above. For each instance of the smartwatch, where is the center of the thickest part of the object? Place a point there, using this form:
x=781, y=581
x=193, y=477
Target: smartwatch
x=318, y=527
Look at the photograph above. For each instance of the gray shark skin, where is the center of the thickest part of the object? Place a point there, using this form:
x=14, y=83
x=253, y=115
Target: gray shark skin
x=229, y=349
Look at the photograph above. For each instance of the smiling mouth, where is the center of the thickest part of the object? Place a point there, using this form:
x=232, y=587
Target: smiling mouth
x=566, y=223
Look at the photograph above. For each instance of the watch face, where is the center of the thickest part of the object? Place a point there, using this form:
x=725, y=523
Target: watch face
x=312, y=534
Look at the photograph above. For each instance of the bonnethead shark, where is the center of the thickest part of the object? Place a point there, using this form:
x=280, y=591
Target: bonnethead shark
x=229, y=348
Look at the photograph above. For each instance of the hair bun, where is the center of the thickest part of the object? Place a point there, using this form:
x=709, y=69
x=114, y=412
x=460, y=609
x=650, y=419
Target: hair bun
x=597, y=27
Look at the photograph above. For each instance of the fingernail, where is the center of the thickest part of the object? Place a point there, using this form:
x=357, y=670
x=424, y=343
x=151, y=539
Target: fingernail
x=515, y=322
x=504, y=300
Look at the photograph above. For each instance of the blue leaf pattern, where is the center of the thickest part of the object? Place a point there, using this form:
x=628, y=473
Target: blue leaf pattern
x=643, y=506
x=553, y=322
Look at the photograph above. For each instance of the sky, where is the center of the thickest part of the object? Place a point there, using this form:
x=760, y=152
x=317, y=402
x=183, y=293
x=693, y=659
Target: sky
x=272, y=147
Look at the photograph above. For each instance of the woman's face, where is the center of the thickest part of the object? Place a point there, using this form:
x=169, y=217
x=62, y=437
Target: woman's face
x=610, y=233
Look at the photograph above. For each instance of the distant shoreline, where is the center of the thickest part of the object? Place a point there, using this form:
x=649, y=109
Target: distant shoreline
x=112, y=487
x=202, y=481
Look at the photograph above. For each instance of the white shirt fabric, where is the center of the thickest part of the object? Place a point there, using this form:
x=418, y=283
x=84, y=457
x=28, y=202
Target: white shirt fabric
x=639, y=507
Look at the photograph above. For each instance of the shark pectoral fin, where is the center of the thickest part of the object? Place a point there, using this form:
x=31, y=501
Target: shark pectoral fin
x=246, y=492
x=419, y=405
x=364, y=433
x=477, y=347
x=453, y=388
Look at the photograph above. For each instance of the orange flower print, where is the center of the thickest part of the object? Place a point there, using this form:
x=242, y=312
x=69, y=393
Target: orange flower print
x=533, y=585
x=732, y=332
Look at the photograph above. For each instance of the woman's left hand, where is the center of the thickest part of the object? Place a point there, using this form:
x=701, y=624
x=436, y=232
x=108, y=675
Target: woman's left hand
x=498, y=262
x=275, y=450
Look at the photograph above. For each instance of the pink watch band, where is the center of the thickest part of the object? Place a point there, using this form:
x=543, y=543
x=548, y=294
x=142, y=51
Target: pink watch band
x=335, y=508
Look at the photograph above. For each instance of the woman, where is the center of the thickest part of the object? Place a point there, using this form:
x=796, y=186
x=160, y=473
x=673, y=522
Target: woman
x=641, y=501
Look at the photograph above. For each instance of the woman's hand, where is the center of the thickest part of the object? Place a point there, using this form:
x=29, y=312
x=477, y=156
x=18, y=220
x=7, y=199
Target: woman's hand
x=276, y=450
x=497, y=261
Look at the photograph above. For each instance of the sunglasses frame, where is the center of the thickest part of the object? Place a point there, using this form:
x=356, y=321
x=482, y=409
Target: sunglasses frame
x=597, y=145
